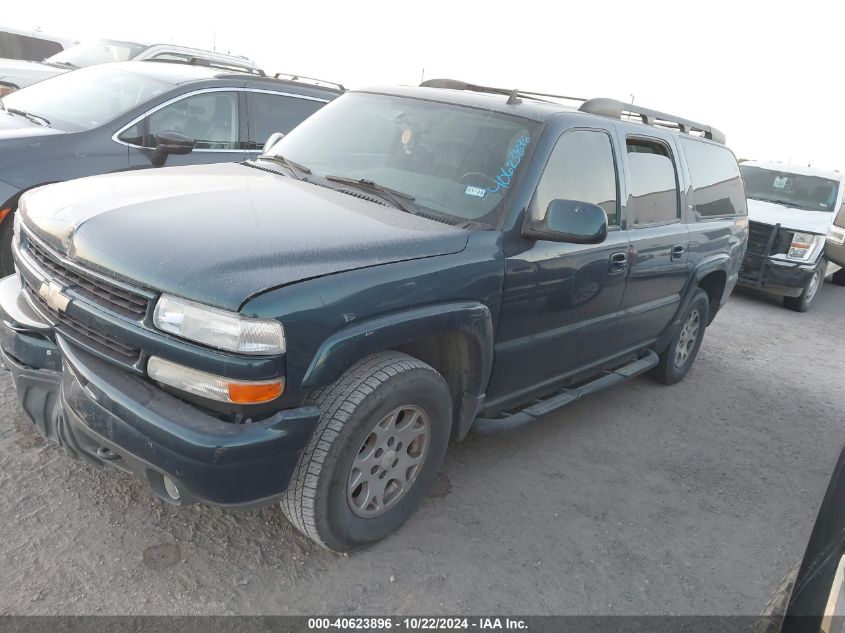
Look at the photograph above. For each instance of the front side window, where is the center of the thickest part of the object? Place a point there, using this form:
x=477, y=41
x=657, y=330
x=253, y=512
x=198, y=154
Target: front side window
x=455, y=161
x=654, y=183
x=716, y=182
x=86, y=98
x=210, y=118
x=581, y=168
x=270, y=113
x=798, y=191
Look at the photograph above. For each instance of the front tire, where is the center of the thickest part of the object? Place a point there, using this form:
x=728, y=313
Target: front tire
x=678, y=357
x=802, y=302
x=383, y=431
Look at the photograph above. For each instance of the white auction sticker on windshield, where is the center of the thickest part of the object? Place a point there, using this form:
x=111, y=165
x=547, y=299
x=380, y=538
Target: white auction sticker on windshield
x=780, y=182
x=476, y=192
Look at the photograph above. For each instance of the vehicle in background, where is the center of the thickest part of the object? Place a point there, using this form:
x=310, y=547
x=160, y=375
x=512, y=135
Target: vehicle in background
x=30, y=45
x=835, y=245
x=132, y=115
x=19, y=74
x=790, y=211
x=313, y=327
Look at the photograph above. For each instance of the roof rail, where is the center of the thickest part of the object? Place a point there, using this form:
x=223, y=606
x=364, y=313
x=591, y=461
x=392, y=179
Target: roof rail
x=291, y=77
x=513, y=94
x=604, y=107
x=209, y=63
x=616, y=109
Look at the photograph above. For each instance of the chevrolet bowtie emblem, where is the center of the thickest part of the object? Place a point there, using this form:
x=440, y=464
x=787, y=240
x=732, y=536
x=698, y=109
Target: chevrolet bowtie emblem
x=52, y=293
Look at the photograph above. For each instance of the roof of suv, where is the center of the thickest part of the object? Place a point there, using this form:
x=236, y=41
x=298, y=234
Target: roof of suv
x=795, y=169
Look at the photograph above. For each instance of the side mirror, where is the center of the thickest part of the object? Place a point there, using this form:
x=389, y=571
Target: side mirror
x=168, y=143
x=569, y=221
x=275, y=137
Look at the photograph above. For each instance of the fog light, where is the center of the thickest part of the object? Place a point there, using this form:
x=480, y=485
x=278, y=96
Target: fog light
x=171, y=488
x=211, y=386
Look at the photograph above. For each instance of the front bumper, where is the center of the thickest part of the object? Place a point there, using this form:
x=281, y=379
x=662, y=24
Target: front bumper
x=776, y=276
x=107, y=416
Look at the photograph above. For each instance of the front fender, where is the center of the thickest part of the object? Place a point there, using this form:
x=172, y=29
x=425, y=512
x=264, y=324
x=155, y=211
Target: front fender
x=341, y=350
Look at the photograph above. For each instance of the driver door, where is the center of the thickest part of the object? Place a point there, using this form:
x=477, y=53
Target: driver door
x=561, y=301
x=213, y=118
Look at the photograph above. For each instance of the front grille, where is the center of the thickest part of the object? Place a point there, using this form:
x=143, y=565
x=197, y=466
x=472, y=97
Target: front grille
x=96, y=290
x=758, y=239
x=105, y=344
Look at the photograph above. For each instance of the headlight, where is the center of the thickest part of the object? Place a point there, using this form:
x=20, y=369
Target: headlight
x=218, y=328
x=211, y=386
x=802, y=245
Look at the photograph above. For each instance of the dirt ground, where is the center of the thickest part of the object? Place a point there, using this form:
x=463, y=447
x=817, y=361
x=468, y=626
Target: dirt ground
x=692, y=499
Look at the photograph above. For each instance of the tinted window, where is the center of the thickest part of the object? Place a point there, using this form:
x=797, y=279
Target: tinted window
x=716, y=182
x=580, y=168
x=270, y=113
x=654, y=183
x=14, y=46
x=210, y=118
x=799, y=191
x=134, y=135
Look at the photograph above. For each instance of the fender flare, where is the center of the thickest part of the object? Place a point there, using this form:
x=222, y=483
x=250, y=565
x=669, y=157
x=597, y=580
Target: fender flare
x=345, y=347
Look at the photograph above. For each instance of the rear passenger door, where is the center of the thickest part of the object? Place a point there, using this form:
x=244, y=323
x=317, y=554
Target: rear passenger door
x=658, y=235
x=270, y=112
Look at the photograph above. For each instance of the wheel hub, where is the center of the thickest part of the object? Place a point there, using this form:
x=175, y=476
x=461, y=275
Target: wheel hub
x=687, y=338
x=388, y=462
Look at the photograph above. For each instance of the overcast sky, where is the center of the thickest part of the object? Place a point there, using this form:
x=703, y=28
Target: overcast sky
x=765, y=73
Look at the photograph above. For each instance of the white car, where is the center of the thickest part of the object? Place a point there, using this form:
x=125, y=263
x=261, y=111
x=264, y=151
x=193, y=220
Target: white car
x=790, y=211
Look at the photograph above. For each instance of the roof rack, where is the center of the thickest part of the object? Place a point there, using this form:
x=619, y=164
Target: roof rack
x=291, y=77
x=209, y=63
x=615, y=109
x=601, y=106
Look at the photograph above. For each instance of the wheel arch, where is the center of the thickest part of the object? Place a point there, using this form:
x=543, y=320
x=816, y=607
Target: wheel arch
x=455, y=338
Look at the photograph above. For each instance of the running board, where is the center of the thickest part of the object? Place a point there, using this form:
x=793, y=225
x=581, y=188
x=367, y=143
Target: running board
x=566, y=396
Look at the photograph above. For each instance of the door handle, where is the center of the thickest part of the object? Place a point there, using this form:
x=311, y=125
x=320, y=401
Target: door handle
x=618, y=262
x=678, y=252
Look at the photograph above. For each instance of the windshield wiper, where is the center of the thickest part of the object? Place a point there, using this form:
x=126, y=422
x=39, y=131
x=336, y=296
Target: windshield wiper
x=61, y=64
x=28, y=115
x=391, y=195
x=296, y=169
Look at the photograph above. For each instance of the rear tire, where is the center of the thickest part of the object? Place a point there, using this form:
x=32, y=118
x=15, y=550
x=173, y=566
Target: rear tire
x=838, y=278
x=802, y=302
x=383, y=431
x=678, y=357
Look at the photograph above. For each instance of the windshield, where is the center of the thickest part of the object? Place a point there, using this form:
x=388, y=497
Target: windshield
x=812, y=193
x=85, y=98
x=452, y=160
x=97, y=52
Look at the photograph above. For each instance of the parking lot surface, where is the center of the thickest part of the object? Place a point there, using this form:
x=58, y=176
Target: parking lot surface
x=692, y=499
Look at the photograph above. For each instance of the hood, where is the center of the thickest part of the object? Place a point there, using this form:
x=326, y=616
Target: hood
x=790, y=218
x=220, y=234
x=14, y=127
x=23, y=73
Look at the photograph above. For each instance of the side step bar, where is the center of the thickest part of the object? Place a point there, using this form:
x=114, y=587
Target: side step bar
x=566, y=396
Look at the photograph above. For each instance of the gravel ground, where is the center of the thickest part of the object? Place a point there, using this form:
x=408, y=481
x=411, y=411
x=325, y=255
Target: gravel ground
x=692, y=499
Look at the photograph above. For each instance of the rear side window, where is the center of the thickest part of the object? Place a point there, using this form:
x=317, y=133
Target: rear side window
x=716, y=181
x=14, y=46
x=581, y=168
x=270, y=113
x=654, y=183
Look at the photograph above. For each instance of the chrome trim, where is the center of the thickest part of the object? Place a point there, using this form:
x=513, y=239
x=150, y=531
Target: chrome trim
x=203, y=91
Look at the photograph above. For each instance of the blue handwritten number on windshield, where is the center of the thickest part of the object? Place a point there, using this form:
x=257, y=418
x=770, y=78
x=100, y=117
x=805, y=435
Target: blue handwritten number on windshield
x=505, y=176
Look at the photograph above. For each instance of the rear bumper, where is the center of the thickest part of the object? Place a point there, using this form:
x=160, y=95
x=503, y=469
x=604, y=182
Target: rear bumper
x=775, y=276
x=106, y=416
